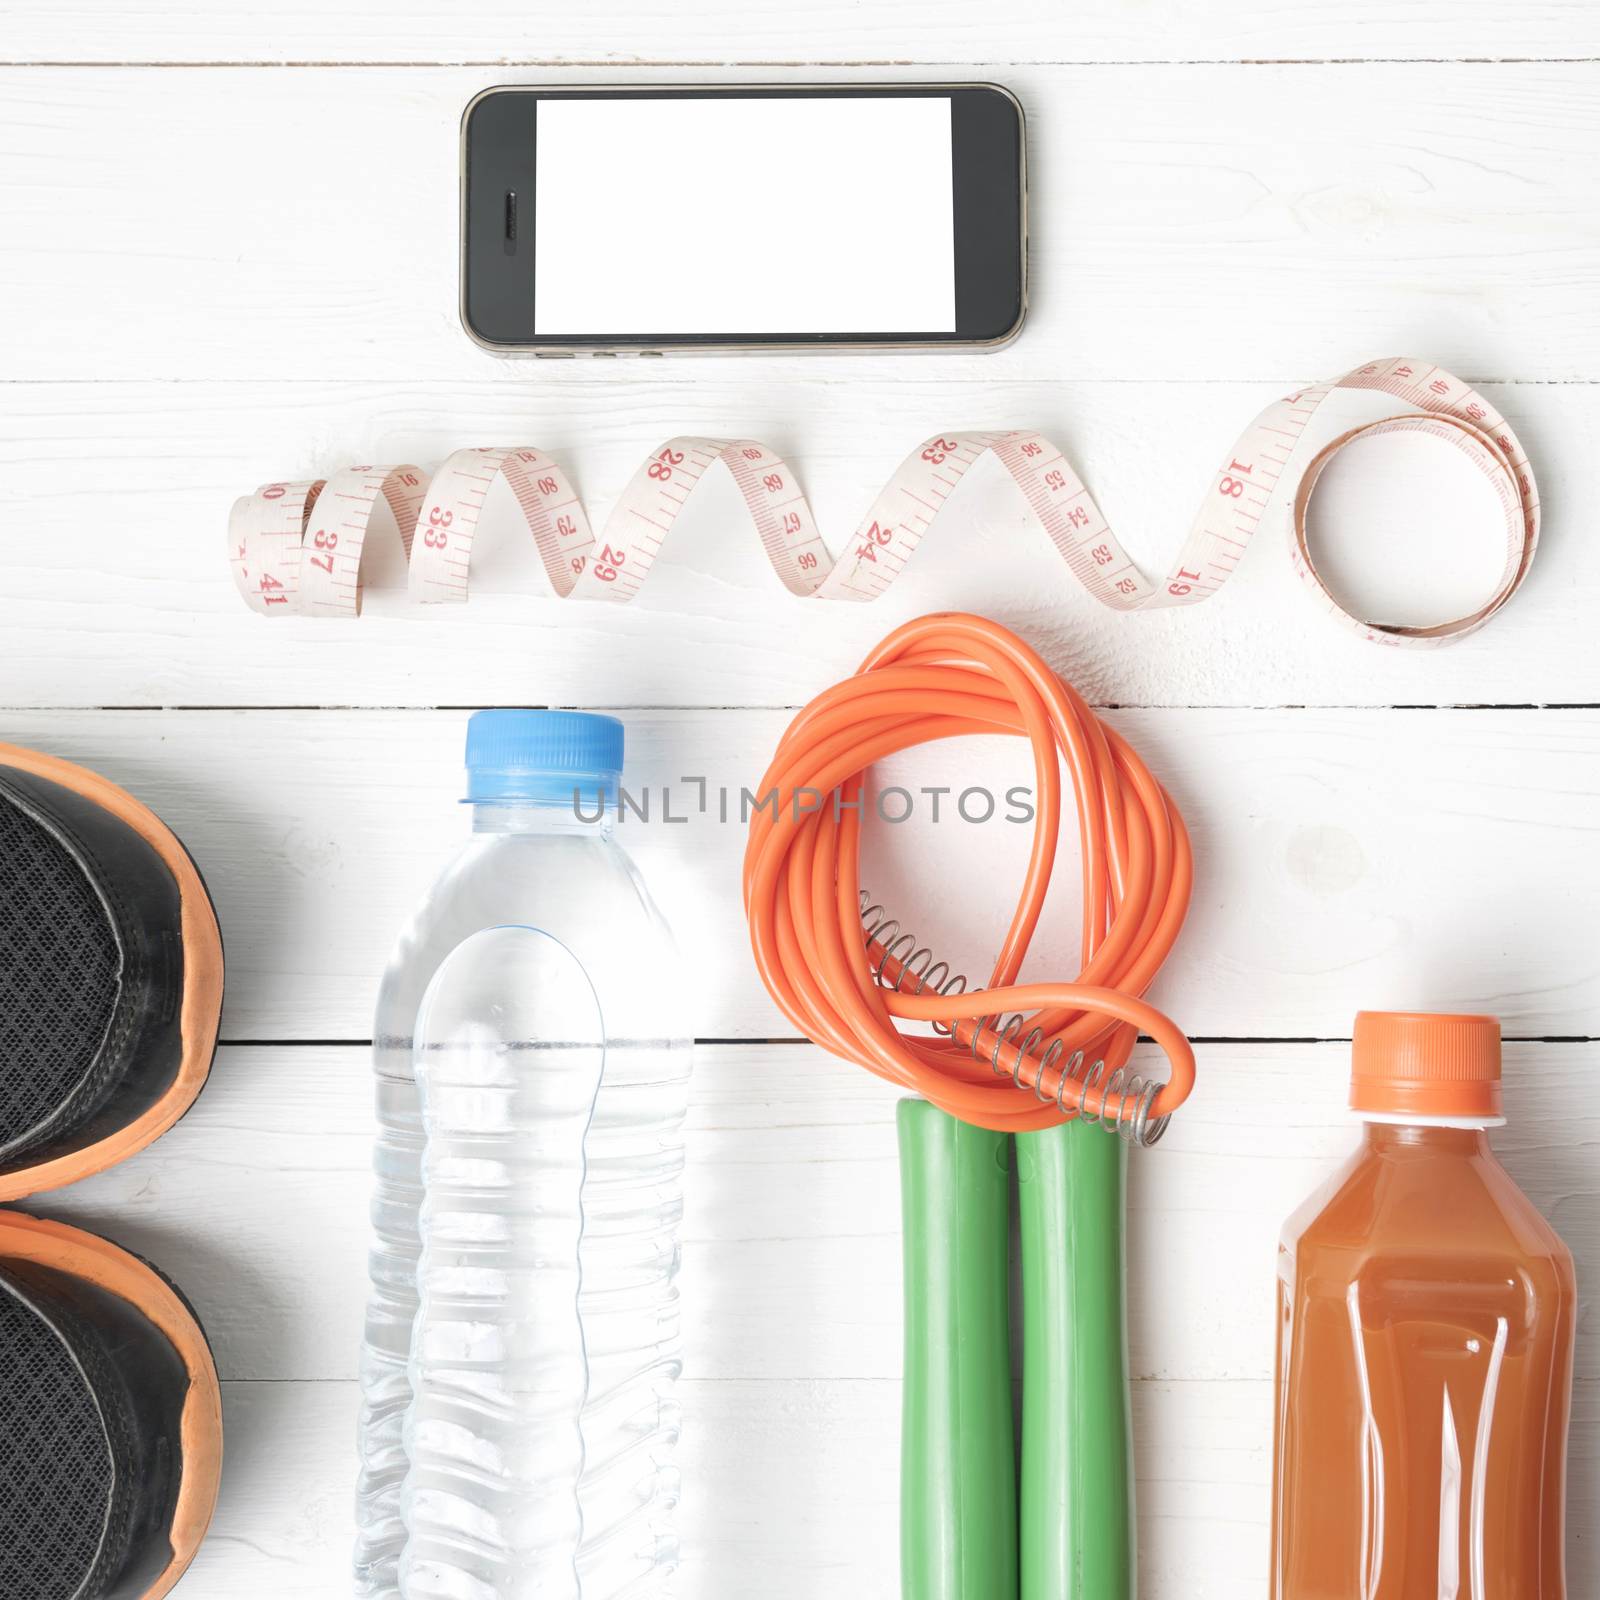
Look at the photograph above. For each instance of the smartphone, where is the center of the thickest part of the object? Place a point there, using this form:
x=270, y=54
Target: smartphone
x=614, y=221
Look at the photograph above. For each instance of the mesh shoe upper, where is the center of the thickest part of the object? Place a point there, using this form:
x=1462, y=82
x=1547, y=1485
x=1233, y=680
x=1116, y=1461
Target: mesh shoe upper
x=60, y=967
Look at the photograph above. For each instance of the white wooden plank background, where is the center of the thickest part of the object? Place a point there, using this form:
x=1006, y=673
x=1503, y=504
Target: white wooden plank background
x=216, y=268
x=1276, y=222
x=833, y=31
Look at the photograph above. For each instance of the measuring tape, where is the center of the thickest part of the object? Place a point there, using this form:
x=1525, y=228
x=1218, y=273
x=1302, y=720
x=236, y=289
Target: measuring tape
x=296, y=548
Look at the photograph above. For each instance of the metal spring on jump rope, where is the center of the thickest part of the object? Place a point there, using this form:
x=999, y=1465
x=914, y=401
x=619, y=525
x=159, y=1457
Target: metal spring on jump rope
x=1134, y=1095
x=1125, y=1098
x=916, y=965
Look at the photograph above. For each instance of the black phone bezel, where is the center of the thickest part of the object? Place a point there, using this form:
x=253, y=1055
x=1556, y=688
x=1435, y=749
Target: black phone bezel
x=499, y=142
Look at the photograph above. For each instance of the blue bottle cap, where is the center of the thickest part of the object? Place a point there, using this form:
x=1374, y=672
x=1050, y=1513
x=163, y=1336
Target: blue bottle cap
x=542, y=756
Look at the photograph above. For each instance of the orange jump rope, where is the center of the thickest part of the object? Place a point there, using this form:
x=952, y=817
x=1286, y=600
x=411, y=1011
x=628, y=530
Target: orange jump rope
x=1057, y=1063
x=938, y=678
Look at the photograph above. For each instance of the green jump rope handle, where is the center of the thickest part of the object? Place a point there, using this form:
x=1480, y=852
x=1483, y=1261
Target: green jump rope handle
x=958, y=1507
x=1078, y=1531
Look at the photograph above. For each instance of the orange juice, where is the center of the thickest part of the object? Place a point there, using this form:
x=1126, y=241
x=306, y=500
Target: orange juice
x=1425, y=1331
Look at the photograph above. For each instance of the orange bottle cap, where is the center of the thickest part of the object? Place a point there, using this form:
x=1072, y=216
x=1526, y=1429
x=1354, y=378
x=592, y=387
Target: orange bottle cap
x=1426, y=1064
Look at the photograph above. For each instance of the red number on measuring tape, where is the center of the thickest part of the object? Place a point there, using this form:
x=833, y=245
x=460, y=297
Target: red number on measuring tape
x=607, y=562
x=327, y=541
x=434, y=535
x=877, y=534
x=773, y=481
x=939, y=449
x=1232, y=488
x=663, y=464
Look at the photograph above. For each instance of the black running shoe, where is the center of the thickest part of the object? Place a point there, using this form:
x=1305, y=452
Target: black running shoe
x=110, y=994
x=110, y=1420
x=110, y=974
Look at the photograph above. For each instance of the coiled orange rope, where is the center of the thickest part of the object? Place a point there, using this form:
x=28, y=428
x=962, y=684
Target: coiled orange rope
x=937, y=678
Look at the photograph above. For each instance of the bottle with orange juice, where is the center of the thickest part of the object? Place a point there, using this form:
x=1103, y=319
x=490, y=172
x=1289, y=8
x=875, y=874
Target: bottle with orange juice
x=1425, y=1332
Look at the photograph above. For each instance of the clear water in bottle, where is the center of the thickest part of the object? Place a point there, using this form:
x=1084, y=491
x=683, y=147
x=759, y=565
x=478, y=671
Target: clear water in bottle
x=510, y=1046
x=535, y=860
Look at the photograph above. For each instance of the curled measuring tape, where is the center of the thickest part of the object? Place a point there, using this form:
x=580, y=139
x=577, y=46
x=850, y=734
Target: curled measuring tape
x=296, y=548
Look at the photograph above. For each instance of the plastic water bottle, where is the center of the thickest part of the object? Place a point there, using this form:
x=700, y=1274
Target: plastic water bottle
x=540, y=859
x=510, y=1046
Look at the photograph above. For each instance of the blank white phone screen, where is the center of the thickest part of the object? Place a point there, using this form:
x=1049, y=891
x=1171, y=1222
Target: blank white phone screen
x=758, y=216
